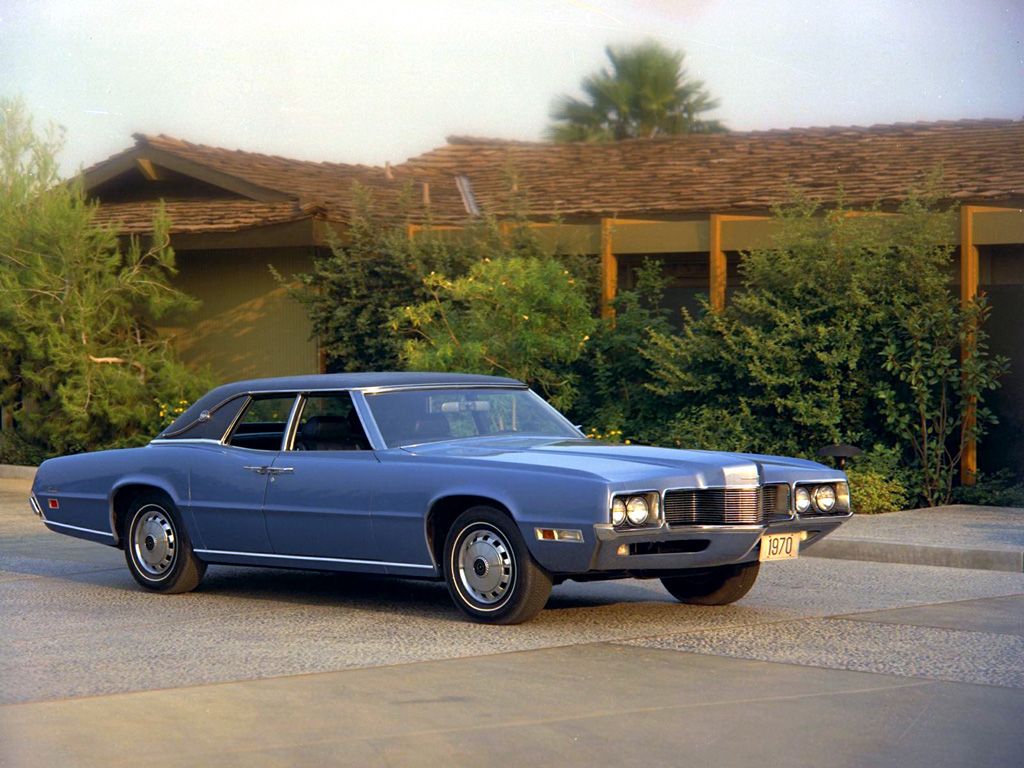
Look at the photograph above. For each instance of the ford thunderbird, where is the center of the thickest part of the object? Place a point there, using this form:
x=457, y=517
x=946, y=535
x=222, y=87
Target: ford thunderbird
x=473, y=480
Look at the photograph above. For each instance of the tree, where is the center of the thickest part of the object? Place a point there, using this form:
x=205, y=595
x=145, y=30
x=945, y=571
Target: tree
x=518, y=312
x=646, y=93
x=817, y=347
x=81, y=364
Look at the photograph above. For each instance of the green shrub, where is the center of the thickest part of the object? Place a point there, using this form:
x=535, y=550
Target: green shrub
x=816, y=347
x=999, y=489
x=511, y=315
x=612, y=399
x=879, y=481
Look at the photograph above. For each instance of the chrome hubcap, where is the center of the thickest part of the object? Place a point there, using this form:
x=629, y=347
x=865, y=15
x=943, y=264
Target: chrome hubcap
x=486, y=567
x=154, y=542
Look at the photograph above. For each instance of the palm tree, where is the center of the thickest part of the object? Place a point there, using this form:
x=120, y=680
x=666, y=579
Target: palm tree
x=646, y=93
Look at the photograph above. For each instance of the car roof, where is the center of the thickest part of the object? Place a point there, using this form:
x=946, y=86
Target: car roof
x=310, y=382
x=363, y=381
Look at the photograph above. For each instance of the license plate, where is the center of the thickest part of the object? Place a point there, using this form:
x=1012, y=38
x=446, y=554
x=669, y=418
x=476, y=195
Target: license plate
x=779, y=546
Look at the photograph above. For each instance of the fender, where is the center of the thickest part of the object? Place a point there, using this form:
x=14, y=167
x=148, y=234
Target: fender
x=182, y=501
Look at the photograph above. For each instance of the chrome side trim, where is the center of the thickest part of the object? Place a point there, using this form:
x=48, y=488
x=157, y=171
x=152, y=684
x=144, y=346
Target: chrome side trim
x=76, y=528
x=314, y=559
x=298, y=405
x=234, y=422
x=370, y=427
x=396, y=387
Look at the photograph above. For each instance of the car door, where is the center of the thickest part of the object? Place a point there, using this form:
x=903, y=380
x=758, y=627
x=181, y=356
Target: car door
x=228, y=482
x=320, y=492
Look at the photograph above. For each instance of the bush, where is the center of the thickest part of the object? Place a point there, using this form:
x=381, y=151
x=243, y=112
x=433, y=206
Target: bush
x=878, y=481
x=815, y=348
x=355, y=288
x=516, y=313
x=613, y=401
x=999, y=489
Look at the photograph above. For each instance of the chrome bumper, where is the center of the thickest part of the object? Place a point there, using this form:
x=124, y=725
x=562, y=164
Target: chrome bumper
x=667, y=548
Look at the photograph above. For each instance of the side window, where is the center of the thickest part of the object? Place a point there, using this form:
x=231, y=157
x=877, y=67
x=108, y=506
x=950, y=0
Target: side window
x=330, y=423
x=263, y=423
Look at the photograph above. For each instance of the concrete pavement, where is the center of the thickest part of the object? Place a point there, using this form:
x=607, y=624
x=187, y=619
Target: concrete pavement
x=825, y=662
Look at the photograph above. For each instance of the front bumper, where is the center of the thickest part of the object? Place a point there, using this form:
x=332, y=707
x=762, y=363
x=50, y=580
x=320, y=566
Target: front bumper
x=666, y=548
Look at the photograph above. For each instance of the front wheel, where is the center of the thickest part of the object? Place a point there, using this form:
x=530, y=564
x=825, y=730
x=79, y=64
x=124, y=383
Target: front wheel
x=490, y=573
x=157, y=547
x=714, y=586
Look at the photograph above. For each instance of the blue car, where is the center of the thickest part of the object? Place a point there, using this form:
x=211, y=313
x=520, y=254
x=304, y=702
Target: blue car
x=471, y=479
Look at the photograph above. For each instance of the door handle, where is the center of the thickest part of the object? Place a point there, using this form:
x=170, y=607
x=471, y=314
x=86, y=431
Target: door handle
x=258, y=470
x=280, y=470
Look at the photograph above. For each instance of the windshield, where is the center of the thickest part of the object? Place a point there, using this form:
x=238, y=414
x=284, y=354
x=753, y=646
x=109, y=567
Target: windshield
x=411, y=417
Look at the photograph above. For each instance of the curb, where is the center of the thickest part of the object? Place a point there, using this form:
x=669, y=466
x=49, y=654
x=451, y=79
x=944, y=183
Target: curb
x=919, y=554
x=17, y=472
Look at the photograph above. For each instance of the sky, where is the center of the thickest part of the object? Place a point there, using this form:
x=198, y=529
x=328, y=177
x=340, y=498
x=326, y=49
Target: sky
x=369, y=82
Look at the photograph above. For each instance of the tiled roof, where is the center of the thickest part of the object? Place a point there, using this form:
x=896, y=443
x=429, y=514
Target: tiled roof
x=701, y=173
x=192, y=216
x=331, y=186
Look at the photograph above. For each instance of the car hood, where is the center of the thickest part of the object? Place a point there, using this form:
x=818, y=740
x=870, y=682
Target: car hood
x=629, y=464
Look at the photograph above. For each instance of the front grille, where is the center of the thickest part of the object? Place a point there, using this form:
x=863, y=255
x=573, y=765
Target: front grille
x=715, y=506
x=777, y=503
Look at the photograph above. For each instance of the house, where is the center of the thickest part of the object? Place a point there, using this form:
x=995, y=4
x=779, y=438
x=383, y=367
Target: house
x=694, y=202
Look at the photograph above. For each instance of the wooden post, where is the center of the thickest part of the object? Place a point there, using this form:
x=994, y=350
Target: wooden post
x=968, y=292
x=609, y=270
x=717, y=264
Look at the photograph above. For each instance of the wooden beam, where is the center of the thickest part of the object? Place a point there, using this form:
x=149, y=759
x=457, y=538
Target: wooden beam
x=150, y=171
x=609, y=270
x=968, y=293
x=718, y=265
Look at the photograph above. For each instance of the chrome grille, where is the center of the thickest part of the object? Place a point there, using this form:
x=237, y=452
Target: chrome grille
x=715, y=506
x=777, y=503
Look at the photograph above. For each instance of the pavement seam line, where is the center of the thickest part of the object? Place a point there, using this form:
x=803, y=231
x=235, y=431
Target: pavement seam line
x=922, y=626
x=530, y=722
x=746, y=657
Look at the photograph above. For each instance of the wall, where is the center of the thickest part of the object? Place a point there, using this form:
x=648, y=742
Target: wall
x=1002, y=279
x=247, y=326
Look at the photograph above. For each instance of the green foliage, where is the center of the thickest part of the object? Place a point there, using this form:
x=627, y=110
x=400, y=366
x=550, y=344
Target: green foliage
x=613, y=401
x=518, y=312
x=81, y=364
x=354, y=289
x=846, y=330
x=929, y=383
x=999, y=489
x=645, y=93
x=878, y=481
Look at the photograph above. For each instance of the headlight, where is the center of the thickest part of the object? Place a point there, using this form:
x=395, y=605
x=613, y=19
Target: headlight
x=803, y=500
x=618, y=512
x=825, y=497
x=637, y=510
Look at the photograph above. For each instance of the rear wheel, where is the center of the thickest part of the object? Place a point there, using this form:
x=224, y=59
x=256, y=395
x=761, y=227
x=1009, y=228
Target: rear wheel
x=157, y=547
x=490, y=573
x=714, y=586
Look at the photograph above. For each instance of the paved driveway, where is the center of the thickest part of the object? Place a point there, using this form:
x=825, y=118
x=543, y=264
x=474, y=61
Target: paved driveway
x=825, y=662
